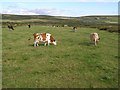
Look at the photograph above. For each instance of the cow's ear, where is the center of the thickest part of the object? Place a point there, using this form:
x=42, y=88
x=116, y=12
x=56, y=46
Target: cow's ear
x=34, y=34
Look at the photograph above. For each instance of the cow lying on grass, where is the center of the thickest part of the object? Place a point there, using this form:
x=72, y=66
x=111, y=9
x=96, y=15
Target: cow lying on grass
x=43, y=37
x=94, y=38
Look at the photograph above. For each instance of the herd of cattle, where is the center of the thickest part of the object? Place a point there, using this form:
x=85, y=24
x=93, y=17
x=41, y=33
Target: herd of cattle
x=48, y=38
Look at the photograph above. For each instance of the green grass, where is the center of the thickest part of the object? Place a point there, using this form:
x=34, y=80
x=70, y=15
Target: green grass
x=73, y=63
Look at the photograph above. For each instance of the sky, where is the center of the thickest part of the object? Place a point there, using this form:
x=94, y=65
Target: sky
x=68, y=8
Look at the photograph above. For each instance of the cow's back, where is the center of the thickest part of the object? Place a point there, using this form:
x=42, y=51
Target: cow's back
x=94, y=36
x=44, y=37
x=49, y=37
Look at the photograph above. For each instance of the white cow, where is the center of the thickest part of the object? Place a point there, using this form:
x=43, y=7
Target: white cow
x=94, y=38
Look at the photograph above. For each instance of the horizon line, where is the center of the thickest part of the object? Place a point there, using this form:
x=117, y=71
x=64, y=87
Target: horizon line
x=61, y=16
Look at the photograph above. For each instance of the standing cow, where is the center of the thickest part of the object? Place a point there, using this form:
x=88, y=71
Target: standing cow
x=43, y=37
x=94, y=38
x=75, y=29
x=10, y=27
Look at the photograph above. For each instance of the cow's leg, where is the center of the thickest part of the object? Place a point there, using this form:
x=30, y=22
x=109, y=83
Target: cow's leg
x=34, y=44
x=48, y=42
x=37, y=43
x=75, y=30
x=45, y=44
x=95, y=43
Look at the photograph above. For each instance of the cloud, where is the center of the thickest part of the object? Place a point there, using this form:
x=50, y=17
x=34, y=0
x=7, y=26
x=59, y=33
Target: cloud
x=104, y=0
x=81, y=0
x=43, y=11
x=13, y=7
x=59, y=0
x=97, y=0
x=53, y=12
x=38, y=11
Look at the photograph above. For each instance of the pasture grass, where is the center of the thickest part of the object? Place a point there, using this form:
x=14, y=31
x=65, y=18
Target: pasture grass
x=73, y=63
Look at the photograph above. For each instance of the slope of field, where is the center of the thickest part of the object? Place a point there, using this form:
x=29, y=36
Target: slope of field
x=73, y=63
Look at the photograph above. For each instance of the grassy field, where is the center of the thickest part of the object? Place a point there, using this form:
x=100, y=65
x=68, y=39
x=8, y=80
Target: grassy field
x=73, y=63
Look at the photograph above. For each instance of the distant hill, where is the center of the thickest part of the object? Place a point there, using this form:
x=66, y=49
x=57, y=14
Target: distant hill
x=102, y=16
x=22, y=17
x=108, y=21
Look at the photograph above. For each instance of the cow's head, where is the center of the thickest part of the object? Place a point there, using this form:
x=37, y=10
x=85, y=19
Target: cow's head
x=35, y=35
x=53, y=40
x=54, y=43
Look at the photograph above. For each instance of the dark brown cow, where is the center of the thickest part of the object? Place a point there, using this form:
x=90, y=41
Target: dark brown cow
x=10, y=27
x=29, y=25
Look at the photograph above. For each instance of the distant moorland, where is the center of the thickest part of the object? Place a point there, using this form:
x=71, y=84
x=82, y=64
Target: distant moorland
x=108, y=23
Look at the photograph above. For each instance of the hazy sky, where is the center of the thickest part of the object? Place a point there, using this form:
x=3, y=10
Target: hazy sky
x=73, y=8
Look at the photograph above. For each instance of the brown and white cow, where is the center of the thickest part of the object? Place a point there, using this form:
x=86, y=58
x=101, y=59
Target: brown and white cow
x=94, y=38
x=43, y=37
x=75, y=29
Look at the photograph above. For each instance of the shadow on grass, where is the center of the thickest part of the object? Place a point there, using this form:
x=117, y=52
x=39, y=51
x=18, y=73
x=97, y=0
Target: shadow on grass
x=85, y=44
x=73, y=31
x=32, y=45
x=90, y=45
x=42, y=44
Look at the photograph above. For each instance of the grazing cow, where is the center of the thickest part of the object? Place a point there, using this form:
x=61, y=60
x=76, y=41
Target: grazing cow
x=10, y=27
x=29, y=25
x=15, y=25
x=65, y=25
x=48, y=25
x=43, y=37
x=75, y=29
x=94, y=38
x=53, y=25
x=57, y=26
